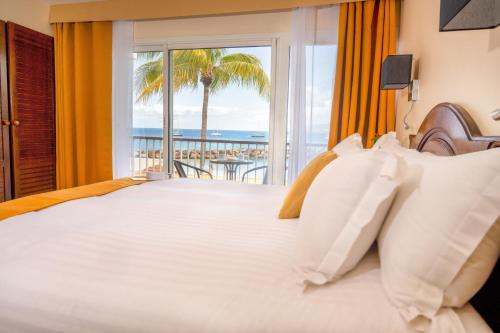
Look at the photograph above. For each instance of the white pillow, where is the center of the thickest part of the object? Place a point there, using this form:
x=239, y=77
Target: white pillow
x=476, y=270
x=386, y=141
x=352, y=144
x=444, y=208
x=342, y=214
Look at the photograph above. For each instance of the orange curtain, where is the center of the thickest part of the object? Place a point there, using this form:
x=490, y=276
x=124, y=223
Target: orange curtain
x=83, y=59
x=367, y=34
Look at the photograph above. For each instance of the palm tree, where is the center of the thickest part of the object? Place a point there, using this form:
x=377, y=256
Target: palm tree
x=214, y=68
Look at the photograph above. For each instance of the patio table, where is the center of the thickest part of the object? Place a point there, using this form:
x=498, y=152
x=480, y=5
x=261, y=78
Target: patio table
x=231, y=165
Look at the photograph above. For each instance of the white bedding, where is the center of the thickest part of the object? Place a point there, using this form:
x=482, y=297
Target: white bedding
x=178, y=256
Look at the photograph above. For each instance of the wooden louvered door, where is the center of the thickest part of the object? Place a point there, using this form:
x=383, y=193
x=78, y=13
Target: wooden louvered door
x=32, y=110
x=4, y=120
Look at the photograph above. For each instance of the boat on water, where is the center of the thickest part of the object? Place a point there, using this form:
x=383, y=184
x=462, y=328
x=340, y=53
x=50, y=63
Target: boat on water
x=216, y=133
x=258, y=136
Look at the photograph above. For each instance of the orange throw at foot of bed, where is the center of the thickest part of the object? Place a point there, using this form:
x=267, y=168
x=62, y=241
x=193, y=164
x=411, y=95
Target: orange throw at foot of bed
x=45, y=200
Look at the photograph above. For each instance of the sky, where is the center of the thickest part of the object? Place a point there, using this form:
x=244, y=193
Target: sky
x=237, y=108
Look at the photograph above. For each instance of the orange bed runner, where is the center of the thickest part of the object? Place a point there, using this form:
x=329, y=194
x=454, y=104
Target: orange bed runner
x=45, y=200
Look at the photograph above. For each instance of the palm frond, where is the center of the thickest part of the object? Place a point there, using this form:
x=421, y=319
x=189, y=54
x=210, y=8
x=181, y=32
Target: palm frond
x=244, y=70
x=185, y=76
x=154, y=88
x=241, y=57
x=149, y=56
x=215, y=55
x=221, y=79
x=197, y=58
x=191, y=65
x=149, y=79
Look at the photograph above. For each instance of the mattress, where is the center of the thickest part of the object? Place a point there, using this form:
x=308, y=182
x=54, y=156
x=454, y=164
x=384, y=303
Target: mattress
x=180, y=256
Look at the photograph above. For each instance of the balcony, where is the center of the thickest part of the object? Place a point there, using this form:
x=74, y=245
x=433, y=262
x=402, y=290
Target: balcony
x=148, y=156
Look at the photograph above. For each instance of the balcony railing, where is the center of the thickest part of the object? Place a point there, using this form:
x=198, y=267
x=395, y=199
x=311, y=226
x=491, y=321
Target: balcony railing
x=148, y=156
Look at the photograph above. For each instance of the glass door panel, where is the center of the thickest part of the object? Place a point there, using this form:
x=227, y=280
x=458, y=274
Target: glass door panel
x=148, y=115
x=220, y=111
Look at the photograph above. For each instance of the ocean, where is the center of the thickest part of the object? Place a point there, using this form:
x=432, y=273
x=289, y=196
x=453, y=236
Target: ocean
x=233, y=135
x=252, y=137
x=317, y=137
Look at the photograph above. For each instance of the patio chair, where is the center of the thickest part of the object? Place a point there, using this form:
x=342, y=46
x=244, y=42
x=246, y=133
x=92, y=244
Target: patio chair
x=179, y=166
x=264, y=181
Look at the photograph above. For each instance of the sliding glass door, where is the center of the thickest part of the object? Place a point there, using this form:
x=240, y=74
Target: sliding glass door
x=211, y=110
x=220, y=113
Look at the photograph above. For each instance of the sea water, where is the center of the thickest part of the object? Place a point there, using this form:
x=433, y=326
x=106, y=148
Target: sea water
x=254, y=137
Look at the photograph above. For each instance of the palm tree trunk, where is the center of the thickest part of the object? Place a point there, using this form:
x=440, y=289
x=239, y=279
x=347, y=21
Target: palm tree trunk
x=204, y=118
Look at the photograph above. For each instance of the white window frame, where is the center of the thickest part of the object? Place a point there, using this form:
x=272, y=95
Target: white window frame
x=278, y=111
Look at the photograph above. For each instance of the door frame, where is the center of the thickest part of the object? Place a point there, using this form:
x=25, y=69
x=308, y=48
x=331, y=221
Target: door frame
x=4, y=115
x=278, y=110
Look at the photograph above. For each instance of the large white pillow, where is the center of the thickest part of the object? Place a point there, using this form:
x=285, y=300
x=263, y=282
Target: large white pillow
x=343, y=212
x=476, y=270
x=437, y=246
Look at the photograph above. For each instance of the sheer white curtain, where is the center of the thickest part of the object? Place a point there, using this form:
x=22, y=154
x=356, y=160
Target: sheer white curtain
x=312, y=65
x=303, y=34
x=123, y=48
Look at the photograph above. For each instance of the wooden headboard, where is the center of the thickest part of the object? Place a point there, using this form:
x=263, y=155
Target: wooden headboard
x=449, y=130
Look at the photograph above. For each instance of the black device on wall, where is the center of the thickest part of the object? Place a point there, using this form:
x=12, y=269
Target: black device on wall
x=396, y=72
x=396, y=75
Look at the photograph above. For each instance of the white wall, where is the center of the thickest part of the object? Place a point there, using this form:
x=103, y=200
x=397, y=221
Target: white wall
x=33, y=14
x=462, y=67
x=265, y=23
x=159, y=30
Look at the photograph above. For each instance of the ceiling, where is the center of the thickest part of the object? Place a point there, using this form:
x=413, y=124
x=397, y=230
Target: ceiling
x=55, y=2
x=116, y=10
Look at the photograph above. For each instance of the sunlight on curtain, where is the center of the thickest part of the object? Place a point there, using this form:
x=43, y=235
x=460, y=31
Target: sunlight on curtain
x=83, y=59
x=312, y=64
x=367, y=35
x=123, y=48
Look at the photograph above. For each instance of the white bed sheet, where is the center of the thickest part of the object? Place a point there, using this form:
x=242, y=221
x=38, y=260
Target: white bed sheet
x=178, y=256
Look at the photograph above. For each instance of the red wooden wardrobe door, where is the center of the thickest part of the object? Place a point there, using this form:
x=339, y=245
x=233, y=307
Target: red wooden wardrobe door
x=4, y=120
x=32, y=110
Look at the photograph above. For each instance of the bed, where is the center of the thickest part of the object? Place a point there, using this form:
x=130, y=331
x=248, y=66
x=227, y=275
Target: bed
x=197, y=256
